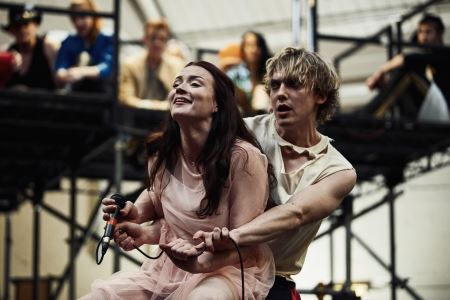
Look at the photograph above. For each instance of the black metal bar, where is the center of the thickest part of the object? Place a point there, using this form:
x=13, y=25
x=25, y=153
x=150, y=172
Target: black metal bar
x=118, y=155
x=360, y=44
x=390, y=47
x=118, y=171
x=349, y=39
x=87, y=233
x=402, y=282
x=331, y=257
x=348, y=212
x=201, y=51
x=360, y=214
x=399, y=32
x=7, y=257
x=392, y=246
x=73, y=238
x=313, y=23
x=417, y=9
x=62, y=11
x=116, y=39
x=37, y=203
x=375, y=37
x=93, y=235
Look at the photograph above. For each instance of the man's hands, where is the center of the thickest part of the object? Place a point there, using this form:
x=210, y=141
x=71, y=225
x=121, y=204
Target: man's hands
x=376, y=80
x=216, y=240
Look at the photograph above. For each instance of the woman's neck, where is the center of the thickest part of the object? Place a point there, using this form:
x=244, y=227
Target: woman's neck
x=193, y=139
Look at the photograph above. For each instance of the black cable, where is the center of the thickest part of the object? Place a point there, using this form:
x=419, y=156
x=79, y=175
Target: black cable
x=159, y=255
x=96, y=252
x=146, y=255
x=242, y=266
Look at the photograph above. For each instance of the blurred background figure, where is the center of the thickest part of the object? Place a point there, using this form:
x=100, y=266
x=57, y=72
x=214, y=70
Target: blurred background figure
x=84, y=62
x=29, y=61
x=229, y=57
x=248, y=75
x=146, y=78
x=420, y=84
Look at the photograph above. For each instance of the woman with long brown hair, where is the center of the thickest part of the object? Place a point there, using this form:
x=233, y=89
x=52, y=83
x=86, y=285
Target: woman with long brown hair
x=208, y=171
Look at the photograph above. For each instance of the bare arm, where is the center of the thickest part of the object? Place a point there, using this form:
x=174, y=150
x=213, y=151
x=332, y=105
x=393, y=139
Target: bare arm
x=374, y=80
x=311, y=204
x=75, y=74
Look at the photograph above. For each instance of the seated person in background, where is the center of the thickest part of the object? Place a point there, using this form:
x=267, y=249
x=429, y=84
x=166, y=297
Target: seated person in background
x=146, y=78
x=427, y=65
x=85, y=60
x=31, y=57
x=229, y=57
x=248, y=76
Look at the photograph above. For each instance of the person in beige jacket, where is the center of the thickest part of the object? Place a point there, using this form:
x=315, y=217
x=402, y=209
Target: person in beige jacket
x=145, y=79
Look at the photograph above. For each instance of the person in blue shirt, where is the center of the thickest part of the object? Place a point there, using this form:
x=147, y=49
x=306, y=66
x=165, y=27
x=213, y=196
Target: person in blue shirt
x=85, y=60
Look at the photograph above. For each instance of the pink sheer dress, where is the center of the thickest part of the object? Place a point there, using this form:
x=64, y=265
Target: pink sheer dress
x=244, y=197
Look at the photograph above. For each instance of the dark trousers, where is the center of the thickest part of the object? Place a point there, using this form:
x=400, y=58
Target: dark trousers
x=283, y=289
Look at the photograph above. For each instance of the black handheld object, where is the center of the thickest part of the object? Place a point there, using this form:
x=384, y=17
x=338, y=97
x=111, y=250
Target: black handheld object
x=109, y=229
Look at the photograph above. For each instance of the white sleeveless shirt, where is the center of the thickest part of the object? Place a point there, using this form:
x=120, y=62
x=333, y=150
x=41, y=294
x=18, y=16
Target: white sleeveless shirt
x=289, y=249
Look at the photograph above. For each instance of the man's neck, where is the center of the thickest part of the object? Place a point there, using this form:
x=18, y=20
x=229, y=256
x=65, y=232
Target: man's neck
x=298, y=136
x=153, y=62
x=27, y=46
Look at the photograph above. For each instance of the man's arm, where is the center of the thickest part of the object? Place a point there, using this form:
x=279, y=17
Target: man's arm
x=311, y=204
x=394, y=63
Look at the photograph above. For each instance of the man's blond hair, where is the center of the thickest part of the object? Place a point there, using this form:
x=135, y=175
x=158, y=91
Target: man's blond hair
x=310, y=71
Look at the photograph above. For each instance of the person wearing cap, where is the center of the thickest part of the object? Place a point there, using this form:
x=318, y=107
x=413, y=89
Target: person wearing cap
x=31, y=57
x=84, y=61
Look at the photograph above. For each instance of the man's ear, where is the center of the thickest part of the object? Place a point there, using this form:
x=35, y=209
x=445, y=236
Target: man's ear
x=321, y=100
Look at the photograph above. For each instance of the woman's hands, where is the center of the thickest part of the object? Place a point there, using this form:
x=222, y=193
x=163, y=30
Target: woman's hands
x=182, y=249
x=129, y=213
x=188, y=257
x=127, y=234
